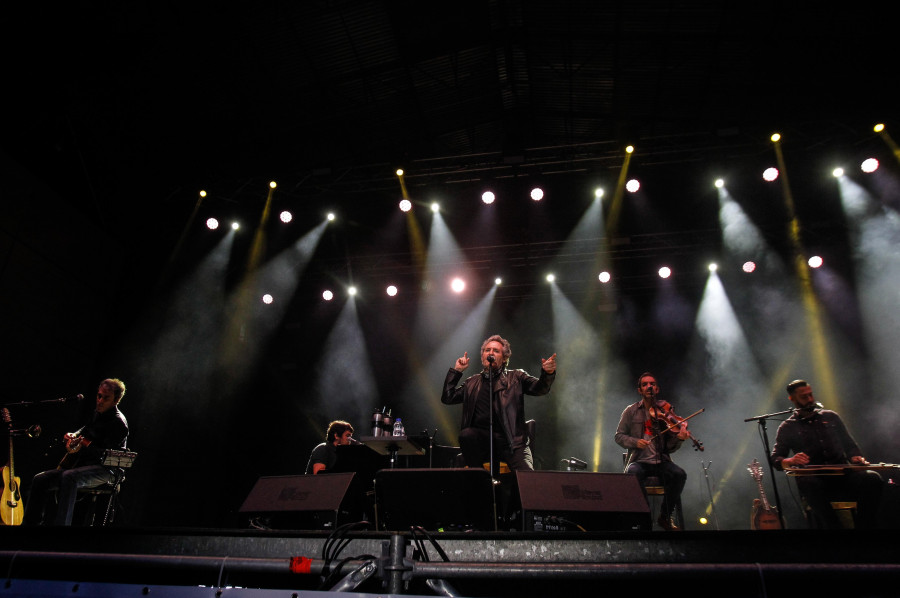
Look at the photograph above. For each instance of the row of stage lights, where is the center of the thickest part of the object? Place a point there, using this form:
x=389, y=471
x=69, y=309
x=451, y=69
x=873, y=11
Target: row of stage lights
x=770, y=175
x=458, y=285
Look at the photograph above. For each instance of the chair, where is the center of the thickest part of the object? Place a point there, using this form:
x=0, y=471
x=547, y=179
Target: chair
x=119, y=461
x=655, y=491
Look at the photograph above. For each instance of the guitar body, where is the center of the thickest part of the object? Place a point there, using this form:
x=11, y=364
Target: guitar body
x=12, y=508
x=763, y=518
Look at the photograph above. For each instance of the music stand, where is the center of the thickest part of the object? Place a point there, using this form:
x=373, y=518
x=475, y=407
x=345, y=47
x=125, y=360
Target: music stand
x=393, y=446
x=120, y=460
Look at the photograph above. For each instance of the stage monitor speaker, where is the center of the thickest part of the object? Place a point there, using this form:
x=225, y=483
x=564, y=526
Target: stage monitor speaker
x=581, y=501
x=435, y=499
x=303, y=501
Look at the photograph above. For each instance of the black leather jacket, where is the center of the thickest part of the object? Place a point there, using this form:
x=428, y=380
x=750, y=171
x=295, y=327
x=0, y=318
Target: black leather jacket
x=510, y=388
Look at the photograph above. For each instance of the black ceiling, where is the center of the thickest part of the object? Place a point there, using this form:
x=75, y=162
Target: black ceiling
x=128, y=109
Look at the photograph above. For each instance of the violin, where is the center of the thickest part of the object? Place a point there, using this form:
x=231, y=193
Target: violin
x=674, y=423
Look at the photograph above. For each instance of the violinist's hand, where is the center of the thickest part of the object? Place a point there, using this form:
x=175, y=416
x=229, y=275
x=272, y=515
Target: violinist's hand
x=683, y=433
x=859, y=460
x=462, y=363
x=643, y=443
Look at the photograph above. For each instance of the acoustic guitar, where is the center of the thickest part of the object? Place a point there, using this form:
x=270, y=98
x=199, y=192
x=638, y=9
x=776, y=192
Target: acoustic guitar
x=763, y=515
x=11, y=508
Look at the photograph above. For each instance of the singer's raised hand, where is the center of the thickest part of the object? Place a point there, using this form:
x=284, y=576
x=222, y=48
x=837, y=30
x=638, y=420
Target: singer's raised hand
x=462, y=363
x=549, y=364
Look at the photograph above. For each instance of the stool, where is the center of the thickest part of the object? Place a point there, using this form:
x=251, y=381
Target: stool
x=656, y=494
x=108, y=489
x=846, y=513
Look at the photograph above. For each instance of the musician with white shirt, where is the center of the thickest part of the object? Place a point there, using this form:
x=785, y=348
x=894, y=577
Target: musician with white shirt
x=817, y=436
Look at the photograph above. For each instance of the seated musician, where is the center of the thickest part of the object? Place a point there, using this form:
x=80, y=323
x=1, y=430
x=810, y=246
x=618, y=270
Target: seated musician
x=82, y=466
x=817, y=436
x=324, y=456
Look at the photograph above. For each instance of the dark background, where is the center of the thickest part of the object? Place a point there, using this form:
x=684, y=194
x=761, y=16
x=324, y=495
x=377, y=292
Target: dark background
x=118, y=115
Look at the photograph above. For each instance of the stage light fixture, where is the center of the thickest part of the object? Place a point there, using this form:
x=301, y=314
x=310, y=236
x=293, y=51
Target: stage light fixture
x=713, y=267
x=488, y=197
x=770, y=174
x=665, y=272
x=267, y=299
x=719, y=183
x=399, y=172
x=327, y=295
x=202, y=193
x=633, y=186
x=869, y=165
x=815, y=261
x=457, y=285
x=286, y=216
x=598, y=193
x=551, y=278
x=879, y=127
x=351, y=291
x=537, y=194
x=235, y=225
x=604, y=277
x=776, y=137
x=212, y=223
x=748, y=267
x=391, y=291
x=837, y=172
x=498, y=281
x=405, y=205
x=435, y=207
x=331, y=217
x=272, y=184
x=629, y=149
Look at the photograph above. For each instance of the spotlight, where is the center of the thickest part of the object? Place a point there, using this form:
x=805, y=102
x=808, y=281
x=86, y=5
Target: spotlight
x=235, y=225
x=457, y=285
x=351, y=291
x=665, y=272
x=392, y=291
x=837, y=172
x=703, y=521
x=399, y=172
x=551, y=278
x=272, y=184
x=748, y=267
x=879, y=128
x=537, y=194
x=267, y=299
x=869, y=165
x=498, y=281
x=815, y=261
x=719, y=183
x=202, y=193
x=776, y=137
x=633, y=185
x=405, y=205
x=629, y=149
x=212, y=223
x=435, y=207
x=770, y=174
x=286, y=216
x=330, y=217
x=488, y=197
x=598, y=193
x=713, y=267
x=604, y=277
x=327, y=295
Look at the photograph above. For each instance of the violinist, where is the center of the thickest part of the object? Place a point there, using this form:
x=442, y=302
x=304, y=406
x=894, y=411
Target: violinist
x=651, y=432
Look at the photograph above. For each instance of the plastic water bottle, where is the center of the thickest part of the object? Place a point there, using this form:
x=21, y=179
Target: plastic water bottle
x=398, y=427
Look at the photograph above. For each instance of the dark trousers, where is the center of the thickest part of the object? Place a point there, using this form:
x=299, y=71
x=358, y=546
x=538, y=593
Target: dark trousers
x=863, y=487
x=672, y=476
x=475, y=445
x=66, y=482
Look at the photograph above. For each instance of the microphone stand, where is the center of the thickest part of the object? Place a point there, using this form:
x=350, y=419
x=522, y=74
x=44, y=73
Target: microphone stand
x=762, y=426
x=491, y=416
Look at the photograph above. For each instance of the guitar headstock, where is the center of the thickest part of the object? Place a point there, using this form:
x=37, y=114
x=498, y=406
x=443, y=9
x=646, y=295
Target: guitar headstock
x=755, y=469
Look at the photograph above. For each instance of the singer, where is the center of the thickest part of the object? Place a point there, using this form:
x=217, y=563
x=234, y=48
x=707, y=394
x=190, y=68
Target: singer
x=641, y=433
x=324, y=456
x=510, y=387
x=82, y=466
x=818, y=436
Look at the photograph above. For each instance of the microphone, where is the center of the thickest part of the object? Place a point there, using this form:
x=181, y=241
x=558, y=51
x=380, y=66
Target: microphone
x=812, y=407
x=354, y=440
x=490, y=359
x=78, y=397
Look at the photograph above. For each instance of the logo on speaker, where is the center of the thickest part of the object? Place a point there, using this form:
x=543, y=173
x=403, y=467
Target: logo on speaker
x=576, y=492
x=293, y=494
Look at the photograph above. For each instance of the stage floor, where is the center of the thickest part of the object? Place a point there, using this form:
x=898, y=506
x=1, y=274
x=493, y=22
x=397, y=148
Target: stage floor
x=703, y=563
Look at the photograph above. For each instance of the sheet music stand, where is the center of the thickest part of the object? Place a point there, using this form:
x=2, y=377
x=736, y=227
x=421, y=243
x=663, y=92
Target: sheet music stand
x=393, y=445
x=120, y=461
